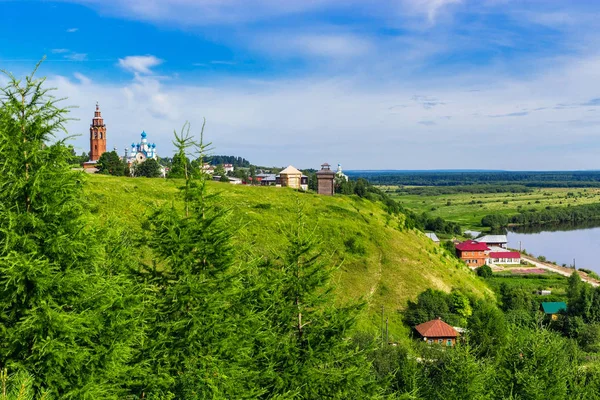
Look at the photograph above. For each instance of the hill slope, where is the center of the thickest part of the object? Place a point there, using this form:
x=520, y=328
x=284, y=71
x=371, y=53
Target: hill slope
x=378, y=261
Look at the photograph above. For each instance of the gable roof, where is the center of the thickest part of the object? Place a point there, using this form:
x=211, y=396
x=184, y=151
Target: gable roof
x=471, y=245
x=505, y=254
x=493, y=239
x=553, y=307
x=436, y=328
x=432, y=236
x=290, y=170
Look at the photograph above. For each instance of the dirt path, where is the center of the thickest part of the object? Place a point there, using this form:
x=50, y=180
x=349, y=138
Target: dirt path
x=560, y=270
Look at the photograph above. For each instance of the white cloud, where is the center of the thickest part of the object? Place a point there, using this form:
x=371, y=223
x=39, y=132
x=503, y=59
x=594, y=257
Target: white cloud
x=59, y=51
x=430, y=8
x=140, y=64
x=358, y=123
x=72, y=30
x=76, y=56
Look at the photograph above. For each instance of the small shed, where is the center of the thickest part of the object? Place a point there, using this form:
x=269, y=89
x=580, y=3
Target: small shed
x=325, y=179
x=553, y=308
x=437, y=331
x=432, y=236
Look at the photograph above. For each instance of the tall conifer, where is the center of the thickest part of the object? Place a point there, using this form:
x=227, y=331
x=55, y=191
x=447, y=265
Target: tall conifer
x=64, y=312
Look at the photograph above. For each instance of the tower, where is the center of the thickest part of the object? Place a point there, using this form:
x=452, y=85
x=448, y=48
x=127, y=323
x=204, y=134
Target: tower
x=325, y=179
x=97, y=136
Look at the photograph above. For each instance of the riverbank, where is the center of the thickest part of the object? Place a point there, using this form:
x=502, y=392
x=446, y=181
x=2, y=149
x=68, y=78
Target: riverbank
x=560, y=270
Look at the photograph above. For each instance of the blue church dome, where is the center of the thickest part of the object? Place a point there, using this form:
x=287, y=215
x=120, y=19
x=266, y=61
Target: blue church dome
x=153, y=145
x=132, y=144
x=144, y=135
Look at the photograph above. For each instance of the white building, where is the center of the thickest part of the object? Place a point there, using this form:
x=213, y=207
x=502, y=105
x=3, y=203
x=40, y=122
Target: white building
x=228, y=167
x=339, y=174
x=141, y=151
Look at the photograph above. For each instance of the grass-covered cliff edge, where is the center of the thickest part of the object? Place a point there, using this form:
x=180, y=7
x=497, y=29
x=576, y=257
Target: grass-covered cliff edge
x=378, y=259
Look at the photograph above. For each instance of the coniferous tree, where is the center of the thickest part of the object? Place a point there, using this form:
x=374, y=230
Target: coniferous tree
x=197, y=335
x=56, y=282
x=310, y=355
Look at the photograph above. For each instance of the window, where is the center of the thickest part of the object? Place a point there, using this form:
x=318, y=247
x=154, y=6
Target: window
x=440, y=341
x=449, y=342
x=430, y=341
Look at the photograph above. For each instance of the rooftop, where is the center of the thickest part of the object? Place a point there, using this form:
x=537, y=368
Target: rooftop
x=432, y=236
x=554, y=307
x=471, y=245
x=436, y=328
x=505, y=254
x=493, y=239
x=290, y=170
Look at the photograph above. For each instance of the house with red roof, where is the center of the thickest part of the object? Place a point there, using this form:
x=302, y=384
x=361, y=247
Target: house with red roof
x=472, y=253
x=504, y=257
x=437, y=331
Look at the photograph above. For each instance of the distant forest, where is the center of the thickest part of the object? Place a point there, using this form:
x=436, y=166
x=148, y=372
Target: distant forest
x=236, y=161
x=441, y=178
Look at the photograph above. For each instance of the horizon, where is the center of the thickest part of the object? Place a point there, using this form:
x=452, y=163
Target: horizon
x=395, y=85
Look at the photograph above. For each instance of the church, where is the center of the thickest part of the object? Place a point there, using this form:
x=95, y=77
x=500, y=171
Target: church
x=141, y=151
x=138, y=153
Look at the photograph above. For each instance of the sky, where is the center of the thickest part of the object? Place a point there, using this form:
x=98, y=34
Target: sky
x=379, y=84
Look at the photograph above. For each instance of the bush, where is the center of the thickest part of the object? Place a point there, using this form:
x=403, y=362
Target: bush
x=484, y=271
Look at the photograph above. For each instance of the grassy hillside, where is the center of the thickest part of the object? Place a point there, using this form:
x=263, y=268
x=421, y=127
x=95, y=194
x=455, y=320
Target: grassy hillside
x=378, y=261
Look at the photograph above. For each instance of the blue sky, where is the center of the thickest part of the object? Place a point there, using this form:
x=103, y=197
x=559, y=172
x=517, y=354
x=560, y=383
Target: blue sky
x=388, y=84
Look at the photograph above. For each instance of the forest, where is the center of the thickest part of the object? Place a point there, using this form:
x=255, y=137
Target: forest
x=547, y=179
x=84, y=316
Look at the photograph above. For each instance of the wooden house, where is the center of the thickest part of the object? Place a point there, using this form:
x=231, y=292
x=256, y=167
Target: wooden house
x=553, y=308
x=472, y=253
x=437, y=331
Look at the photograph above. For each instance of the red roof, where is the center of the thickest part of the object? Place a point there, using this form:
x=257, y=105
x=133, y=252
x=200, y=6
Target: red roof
x=505, y=254
x=471, y=245
x=436, y=328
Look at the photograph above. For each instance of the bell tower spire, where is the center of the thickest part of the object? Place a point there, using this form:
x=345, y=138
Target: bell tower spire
x=97, y=135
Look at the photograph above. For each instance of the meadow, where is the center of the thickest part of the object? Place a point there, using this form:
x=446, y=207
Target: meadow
x=379, y=261
x=468, y=209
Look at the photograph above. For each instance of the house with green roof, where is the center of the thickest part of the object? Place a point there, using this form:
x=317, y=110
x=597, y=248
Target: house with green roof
x=553, y=308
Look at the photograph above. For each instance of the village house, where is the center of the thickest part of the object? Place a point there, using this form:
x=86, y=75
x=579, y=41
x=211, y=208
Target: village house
x=292, y=177
x=437, y=331
x=553, y=308
x=494, y=240
x=228, y=167
x=504, y=257
x=472, y=253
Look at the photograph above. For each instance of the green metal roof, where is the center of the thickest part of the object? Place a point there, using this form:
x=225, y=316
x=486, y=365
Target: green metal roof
x=554, y=307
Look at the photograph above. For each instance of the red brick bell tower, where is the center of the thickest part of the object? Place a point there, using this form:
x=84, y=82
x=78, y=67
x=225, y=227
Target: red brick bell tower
x=97, y=136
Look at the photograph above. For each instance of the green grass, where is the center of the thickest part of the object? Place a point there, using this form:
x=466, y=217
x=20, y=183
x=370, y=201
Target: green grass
x=467, y=209
x=376, y=260
x=532, y=282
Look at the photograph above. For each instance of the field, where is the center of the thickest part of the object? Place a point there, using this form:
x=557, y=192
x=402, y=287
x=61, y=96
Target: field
x=467, y=208
x=378, y=262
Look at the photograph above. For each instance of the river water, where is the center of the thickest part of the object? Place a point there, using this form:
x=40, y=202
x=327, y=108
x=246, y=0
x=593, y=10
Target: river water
x=563, y=244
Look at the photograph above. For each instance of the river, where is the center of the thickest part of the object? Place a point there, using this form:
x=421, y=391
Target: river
x=561, y=243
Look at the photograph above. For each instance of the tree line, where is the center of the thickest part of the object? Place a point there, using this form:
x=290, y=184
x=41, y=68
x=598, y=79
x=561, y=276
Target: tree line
x=570, y=214
x=457, y=178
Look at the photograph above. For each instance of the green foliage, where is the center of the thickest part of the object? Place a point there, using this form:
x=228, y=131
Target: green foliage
x=485, y=271
x=488, y=330
x=455, y=374
x=233, y=160
x=56, y=280
x=452, y=307
x=110, y=163
x=150, y=168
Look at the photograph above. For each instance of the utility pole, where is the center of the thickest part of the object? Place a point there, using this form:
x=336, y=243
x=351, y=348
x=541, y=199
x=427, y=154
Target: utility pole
x=519, y=246
x=574, y=267
x=387, y=335
x=382, y=331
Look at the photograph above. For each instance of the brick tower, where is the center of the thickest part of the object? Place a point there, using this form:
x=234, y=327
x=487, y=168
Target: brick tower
x=97, y=136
